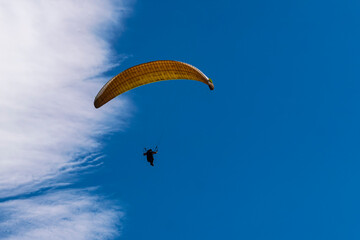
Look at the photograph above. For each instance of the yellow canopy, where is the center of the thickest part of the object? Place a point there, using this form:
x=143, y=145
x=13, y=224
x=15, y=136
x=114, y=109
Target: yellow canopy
x=148, y=73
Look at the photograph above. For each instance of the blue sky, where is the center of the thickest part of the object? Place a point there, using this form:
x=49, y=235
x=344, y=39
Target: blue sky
x=271, y=153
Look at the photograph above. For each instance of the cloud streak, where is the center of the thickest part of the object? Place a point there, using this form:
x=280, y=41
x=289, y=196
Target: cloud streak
x=51, y=55
x=68, y=214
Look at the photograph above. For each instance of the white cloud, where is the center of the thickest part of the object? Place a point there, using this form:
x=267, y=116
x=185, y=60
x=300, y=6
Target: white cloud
x=50, y=54
x=74, y=214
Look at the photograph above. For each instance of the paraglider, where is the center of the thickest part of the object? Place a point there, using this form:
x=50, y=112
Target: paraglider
x=146, y=73
x=150, y=155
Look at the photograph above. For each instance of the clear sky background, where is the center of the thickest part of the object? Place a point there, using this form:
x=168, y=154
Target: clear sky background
x=271, y=153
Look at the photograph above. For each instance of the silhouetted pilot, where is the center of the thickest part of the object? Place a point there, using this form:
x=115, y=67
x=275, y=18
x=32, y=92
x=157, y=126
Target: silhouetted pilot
x=149, y=156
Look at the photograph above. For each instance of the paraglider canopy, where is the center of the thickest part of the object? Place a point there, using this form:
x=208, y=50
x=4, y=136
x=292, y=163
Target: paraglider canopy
x=148, y=73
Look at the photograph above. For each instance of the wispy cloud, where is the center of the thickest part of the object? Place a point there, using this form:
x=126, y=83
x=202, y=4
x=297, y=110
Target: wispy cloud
x=67, y=214
x=52, y=53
